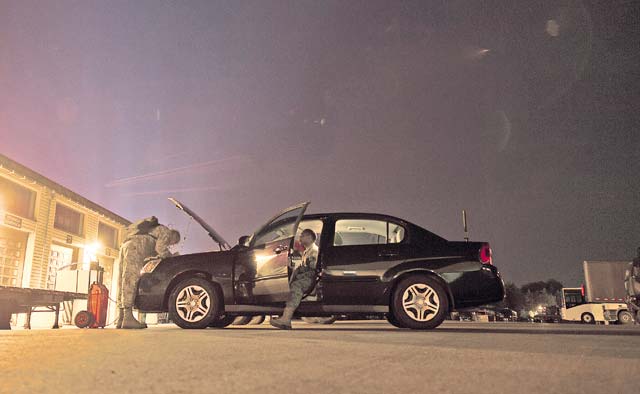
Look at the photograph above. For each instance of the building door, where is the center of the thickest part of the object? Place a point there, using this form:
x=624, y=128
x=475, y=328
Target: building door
x=13, y=246
x=59, y=257
x=107, y=264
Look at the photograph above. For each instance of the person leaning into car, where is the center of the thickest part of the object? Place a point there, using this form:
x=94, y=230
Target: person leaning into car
x=303, y=279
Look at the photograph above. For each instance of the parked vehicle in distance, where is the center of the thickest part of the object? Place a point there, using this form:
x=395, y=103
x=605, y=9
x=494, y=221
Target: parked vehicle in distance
x=369, y=265
x=602, y=297
x=547, y=314
x=506, y=314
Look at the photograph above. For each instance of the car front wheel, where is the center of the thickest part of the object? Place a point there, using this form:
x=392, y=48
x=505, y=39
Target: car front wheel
x=392, y=320
x=194, y=303
x=222, y=322
x=420, y=303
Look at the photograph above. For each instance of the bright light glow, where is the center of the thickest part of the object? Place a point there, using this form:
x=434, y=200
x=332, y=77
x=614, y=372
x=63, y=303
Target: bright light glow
x=90, y=254
x=262, y=259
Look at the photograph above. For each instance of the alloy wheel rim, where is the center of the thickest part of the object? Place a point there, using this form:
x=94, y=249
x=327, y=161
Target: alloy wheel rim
x=420, y=302
x=193, y=303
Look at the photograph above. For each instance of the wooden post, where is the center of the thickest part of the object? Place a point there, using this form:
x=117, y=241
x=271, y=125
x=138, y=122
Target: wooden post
x=5, y=314
x=27, y=323
x=55, y=324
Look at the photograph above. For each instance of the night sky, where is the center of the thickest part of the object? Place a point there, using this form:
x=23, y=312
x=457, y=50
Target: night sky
x=525, y=113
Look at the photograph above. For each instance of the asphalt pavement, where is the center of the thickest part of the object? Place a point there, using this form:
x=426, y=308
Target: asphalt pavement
x=346, y=357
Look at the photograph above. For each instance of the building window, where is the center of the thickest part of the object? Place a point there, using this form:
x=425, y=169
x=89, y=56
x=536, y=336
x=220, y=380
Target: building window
x=17, y=199
x=68, y=220
x=107, y=235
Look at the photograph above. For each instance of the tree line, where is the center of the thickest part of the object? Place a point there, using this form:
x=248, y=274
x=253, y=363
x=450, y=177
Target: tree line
x=530, y=296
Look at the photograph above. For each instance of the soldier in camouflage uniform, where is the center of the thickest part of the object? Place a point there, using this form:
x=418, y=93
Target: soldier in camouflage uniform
x=302, y=280
x=147, y=239
x=632, y=285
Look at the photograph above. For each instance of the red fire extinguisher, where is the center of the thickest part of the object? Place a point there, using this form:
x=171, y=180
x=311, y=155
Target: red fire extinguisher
x=97, y=306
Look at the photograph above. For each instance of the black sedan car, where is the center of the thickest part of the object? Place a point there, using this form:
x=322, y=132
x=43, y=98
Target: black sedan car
x=369, y=264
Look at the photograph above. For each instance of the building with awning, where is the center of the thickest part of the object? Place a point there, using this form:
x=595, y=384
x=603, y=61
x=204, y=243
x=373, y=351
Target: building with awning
x=45, y=229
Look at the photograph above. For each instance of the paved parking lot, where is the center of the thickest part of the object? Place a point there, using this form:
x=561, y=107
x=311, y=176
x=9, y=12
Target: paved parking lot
x=348, y=357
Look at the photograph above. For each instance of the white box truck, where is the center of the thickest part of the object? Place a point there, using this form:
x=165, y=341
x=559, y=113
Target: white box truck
x=602, y=296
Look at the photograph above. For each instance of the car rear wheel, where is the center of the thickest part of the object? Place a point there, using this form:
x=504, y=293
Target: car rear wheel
x=625, y=317
x=222, y=322
x=194, y=303
x=420, y=303
x=587, y=318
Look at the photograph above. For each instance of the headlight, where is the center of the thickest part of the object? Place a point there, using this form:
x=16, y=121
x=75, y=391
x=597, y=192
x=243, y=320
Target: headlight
x=150, y=266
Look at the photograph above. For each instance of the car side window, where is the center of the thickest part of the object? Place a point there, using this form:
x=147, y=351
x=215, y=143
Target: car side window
x=367, y=232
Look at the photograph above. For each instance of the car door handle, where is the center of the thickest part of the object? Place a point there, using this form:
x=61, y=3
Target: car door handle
x=280, y=249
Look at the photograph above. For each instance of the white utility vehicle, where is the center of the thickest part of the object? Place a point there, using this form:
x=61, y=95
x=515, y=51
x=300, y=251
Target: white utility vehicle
x=601, y=298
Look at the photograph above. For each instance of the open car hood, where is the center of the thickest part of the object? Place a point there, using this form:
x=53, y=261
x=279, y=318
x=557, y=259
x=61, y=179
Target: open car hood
x=224, y=245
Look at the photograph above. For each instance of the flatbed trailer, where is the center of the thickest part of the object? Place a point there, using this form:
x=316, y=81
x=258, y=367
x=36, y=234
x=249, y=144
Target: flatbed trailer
x=24, y=300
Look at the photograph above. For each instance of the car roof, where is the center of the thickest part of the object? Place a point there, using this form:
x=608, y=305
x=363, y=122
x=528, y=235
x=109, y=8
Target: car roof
x=352, y=215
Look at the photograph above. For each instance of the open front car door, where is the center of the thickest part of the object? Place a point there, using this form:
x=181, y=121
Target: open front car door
x=267, y=260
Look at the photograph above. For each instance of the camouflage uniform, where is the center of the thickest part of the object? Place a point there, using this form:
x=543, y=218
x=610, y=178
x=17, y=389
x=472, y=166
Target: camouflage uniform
x=133, y=253
x=632, y=285
x=304, y=277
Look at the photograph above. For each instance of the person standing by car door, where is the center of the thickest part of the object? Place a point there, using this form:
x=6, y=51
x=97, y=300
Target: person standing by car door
x=147, y=239
x=632, y=285
x=302, y=280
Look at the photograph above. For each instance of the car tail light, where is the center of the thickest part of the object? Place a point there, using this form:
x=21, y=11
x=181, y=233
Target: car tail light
x=582, y=290
x=485, y=254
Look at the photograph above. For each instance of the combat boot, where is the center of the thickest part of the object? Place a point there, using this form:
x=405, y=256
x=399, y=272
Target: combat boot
x=284, y=321
x=120, y=318
x=130, y=322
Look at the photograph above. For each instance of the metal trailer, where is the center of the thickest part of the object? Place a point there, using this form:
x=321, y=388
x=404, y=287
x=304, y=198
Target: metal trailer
x=602, y=297
x=24, y=300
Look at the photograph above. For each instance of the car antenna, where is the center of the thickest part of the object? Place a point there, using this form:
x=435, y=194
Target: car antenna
x=464, y=223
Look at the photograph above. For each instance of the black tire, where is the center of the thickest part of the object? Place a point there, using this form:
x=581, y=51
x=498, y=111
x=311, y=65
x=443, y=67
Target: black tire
x=257, y=320
x=625, y=317
x=242, y=320
x=587, y=318
x=222, y=322
x=211, y=306
x=320, y=320
x=84, y=319
x=421, y=290
x=392, y=320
